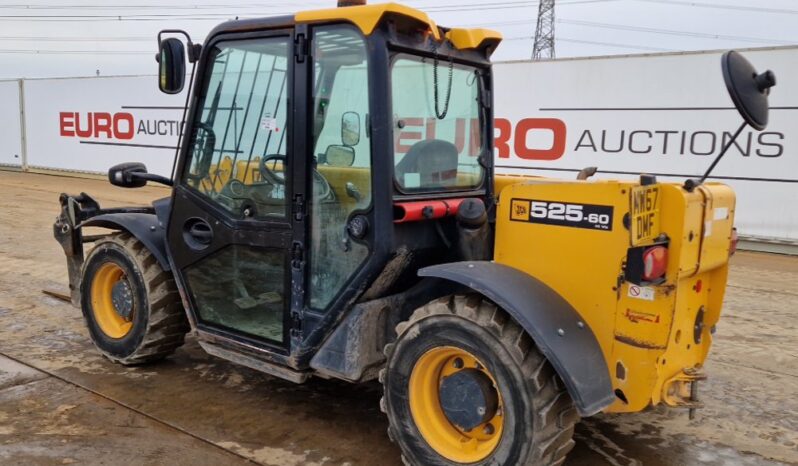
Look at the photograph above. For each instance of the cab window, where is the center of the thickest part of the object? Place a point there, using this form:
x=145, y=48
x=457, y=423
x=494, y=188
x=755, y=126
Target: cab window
x=239, y=144
x=436, y=125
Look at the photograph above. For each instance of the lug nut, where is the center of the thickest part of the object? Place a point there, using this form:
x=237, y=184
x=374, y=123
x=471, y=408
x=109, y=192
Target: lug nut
x=489, y=429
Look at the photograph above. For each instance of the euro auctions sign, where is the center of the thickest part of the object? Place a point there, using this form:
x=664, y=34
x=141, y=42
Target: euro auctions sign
x=665, y=114
x=121, y=126
x=90, y=124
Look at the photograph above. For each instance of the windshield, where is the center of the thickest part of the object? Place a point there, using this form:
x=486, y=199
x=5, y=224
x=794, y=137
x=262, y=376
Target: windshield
x=437, y=132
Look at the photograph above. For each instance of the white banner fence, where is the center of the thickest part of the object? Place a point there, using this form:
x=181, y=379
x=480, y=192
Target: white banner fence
x=666, y=114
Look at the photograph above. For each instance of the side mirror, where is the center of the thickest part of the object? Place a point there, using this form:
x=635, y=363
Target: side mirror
x=124, y=175
x=171, y=66
x=340, y=156
x=134, y=175
x=350, y=128
x=748, y=89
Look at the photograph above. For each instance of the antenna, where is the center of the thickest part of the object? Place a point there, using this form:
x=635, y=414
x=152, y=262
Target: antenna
x=544, y=33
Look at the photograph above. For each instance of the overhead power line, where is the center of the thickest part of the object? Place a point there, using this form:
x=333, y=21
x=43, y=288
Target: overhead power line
x=756, y=9
x=592, y=42
x=76, y=52
x=614, y=44
x=196, y=16
x=77, y=39
x=160, y=6
x=703, y=35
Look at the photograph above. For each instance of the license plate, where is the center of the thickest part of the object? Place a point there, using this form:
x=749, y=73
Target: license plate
x=645, y=204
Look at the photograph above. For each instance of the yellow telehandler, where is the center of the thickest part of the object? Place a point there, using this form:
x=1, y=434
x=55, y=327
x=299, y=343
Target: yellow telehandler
x=307, y=234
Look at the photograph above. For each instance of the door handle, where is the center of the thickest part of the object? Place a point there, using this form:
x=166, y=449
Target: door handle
x=197, y=233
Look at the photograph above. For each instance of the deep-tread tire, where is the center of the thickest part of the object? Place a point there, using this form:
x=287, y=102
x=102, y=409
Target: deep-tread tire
x=539, y=413
x=159, y=320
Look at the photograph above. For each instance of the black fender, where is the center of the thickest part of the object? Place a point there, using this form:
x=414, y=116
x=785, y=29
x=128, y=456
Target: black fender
x=556, y=327
x=144, y=226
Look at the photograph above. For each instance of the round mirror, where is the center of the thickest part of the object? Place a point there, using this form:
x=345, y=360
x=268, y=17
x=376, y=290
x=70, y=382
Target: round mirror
x=748, y=90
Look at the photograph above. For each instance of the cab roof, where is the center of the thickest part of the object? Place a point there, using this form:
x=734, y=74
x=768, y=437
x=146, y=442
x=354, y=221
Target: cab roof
x=367, y=17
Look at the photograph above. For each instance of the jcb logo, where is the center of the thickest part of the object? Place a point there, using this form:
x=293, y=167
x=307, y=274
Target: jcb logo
x=521, y=134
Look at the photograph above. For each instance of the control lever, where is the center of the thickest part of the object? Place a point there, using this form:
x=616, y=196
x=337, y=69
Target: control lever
x=353, y=192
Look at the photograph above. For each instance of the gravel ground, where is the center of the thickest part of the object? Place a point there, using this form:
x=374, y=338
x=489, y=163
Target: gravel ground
x=61, y=403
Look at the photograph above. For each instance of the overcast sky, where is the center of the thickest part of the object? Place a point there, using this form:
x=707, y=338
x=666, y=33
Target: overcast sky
x=81, y=37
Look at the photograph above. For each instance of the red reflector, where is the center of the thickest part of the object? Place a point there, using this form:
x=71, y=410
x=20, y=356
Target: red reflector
x=734, y=241
x=655, y=261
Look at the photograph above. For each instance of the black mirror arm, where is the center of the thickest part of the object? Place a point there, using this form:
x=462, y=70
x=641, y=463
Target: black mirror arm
x=691, y=183
x=153, y=177
x=194, y=50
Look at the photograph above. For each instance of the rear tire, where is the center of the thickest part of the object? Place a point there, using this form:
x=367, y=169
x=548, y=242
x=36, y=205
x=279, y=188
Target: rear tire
x=152, y=323
x=537, y=415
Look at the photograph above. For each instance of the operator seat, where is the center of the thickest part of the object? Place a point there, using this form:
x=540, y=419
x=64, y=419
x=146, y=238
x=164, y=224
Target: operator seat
x=434, y=160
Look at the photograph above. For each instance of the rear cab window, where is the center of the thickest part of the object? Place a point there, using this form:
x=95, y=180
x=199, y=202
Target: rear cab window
x=437, y=131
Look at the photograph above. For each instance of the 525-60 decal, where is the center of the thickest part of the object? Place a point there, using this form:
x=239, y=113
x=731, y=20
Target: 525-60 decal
x=591, y=216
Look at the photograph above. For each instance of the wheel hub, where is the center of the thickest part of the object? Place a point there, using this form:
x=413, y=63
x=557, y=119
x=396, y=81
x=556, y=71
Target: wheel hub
x=122, y=299
x=456, y=404
x=468, y=399
x=112, y=300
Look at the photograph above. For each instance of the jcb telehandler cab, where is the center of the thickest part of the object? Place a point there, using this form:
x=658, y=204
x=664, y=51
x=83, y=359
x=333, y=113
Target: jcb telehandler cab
x=335, y=212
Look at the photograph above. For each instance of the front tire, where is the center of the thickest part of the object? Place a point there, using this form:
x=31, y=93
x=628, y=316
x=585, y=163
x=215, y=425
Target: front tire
x=131, y=305
x=530, y=416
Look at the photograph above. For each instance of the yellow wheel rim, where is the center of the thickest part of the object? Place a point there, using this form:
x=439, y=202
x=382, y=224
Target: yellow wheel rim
x=444, y=437
x=102, y=285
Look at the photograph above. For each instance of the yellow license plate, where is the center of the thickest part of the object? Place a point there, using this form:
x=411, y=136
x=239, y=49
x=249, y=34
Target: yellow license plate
x=645, y=202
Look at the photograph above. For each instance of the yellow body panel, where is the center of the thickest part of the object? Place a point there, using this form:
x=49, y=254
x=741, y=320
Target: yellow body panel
x=645, y=332
x=366, y=17
x=465, y=39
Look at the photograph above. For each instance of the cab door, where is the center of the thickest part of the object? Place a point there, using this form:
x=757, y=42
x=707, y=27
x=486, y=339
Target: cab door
x=238, y=199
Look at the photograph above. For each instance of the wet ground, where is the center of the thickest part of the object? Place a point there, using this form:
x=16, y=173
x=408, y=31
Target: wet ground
x=61, y=403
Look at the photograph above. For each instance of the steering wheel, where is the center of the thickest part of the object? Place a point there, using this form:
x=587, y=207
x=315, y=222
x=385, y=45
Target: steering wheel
x=267, y=173
x=275, y=178
x=206, y=153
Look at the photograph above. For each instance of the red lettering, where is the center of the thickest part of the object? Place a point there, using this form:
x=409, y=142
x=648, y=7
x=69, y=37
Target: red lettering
x=67, y=124
x=119, y=131
x=401, y=148
x=557, y=149
x=102, y=124
x=431, y=126
x=84, y=133
x=459, y=134
x=500, y=142
x=475, y=141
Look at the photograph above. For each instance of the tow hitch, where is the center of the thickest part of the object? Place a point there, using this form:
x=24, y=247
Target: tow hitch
x=682, y=390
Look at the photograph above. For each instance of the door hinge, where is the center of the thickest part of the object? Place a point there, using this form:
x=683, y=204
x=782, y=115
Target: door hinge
x=298, y=207
x=300, y=48
x=296, y=326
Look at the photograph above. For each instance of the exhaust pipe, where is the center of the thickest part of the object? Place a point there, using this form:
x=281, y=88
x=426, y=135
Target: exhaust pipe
x=343, y=3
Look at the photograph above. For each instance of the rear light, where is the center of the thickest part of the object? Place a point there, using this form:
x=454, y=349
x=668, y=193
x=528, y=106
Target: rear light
x=734, y=241
x=646, y=265
x=655, y=261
